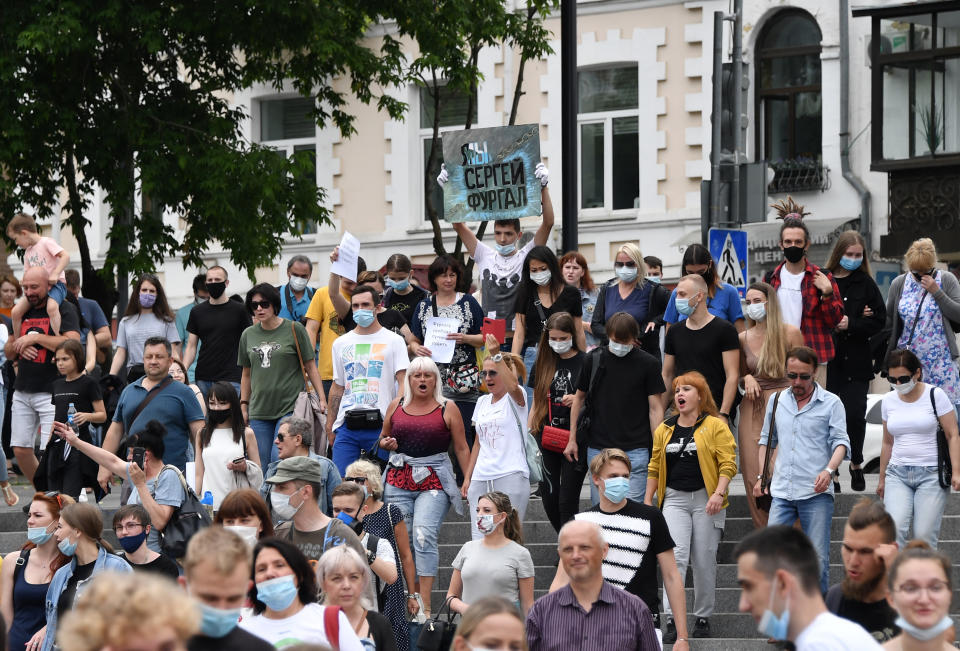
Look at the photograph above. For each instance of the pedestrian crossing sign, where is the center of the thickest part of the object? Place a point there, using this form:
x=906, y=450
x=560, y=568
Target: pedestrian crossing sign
x=729, y=250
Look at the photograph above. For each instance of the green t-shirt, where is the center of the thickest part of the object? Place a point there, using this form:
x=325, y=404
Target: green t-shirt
x=275, y=375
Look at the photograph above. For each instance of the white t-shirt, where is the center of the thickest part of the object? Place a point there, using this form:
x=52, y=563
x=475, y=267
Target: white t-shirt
x=499, y=276
x=790, y=296
x=501, y=438
x=831, y=633
x=365, y=366
x=913, y=426
x=306, y=627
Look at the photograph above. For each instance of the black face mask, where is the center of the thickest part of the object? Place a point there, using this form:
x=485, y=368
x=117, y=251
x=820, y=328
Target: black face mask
x=218, y=416
x=216, y=290
x=708, y=277
x=357, y=527
x=793, y=253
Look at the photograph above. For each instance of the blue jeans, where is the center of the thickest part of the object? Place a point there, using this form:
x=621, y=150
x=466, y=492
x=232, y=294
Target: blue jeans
x=815, y=514
x=266, y=432
x=529, y=359
x=639, y=460
x=912, y=495
x=204, y=386
x=348, y=443
x=423, y=512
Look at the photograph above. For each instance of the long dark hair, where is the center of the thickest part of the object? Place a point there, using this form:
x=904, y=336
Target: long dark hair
x=307, y=580
x=697, y=254
x=224, y=392
x=160, y=309
x=547, y=365
x=527, y=289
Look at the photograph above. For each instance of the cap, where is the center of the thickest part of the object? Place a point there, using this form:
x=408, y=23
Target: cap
x=298, y=468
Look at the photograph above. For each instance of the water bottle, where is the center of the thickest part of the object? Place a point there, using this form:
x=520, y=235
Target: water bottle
x=207, y=502
x=71, y=412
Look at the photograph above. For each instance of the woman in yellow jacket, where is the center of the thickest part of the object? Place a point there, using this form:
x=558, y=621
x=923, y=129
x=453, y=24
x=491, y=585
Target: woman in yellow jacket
x=694, y=458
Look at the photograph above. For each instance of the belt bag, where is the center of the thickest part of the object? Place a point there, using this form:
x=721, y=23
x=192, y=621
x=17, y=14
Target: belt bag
x=363, y=418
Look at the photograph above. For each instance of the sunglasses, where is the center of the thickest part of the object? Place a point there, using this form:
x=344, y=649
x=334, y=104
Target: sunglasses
x=802, y=376
x=261, y=304
x=283, y=437
x=902, y=379
x=920, y=274
x=620, y=265
x=358, y=480
x=488, y=374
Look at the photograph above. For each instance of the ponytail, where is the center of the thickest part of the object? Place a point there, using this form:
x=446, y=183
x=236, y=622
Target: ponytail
x=512, y=528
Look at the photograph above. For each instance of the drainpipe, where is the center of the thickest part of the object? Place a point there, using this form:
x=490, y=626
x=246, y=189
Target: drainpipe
x=848, y=174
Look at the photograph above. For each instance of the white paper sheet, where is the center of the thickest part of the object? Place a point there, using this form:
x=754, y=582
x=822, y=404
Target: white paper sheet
x=438, y=328
x=346, y=264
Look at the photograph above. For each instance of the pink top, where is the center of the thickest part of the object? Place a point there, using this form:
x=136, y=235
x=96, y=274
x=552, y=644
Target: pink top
x=44, y=254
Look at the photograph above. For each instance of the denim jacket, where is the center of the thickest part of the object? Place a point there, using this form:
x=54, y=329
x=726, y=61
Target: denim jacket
x=105, y=562
x=324, y=499
x=441, y=465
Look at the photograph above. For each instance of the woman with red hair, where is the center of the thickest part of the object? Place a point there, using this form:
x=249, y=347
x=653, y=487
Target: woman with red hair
x=694, y=459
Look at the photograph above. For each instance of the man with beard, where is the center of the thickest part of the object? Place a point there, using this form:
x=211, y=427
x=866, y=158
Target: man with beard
x=869, y=546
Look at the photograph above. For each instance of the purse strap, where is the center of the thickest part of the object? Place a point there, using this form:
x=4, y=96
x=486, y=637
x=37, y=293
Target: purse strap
x=331, y=626
x=916, y=318
x=445, y=606
x=151, y=394
x=303, y=369
x=771, y=439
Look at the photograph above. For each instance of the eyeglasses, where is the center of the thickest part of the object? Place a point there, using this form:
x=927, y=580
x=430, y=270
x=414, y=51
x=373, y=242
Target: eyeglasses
x=620, y=265
x=935, y=589
x=802, y=376
x=282, y=437
x=920, y=274
x=488, y=374
x=902, y=379
x=358, y=480
x=261, y=304
x=127, y=527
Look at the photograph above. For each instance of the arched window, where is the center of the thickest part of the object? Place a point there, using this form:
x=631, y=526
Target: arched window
x=789, y=102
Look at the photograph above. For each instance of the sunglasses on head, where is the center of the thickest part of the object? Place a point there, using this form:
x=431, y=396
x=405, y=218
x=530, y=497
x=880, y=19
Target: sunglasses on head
x=620, y=265
x=802, y=376
x=358, y=480
x=261, y=304
x=900, y=379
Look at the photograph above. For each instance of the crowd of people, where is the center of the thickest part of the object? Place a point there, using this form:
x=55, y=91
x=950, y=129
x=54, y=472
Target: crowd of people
x=328, y=446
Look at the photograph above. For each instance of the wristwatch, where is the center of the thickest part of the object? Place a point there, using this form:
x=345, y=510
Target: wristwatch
x=497, y=358
x=371, y=557
x=832, y=473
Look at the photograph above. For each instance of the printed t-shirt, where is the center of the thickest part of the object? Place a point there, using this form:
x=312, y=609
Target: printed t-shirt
x=366, y=367
x=499, y=276
x=275, y=375
x=36, y=375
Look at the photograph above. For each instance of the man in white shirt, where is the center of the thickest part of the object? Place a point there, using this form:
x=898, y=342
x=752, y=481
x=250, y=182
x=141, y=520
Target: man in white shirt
x=779, y=576
x=366, y=362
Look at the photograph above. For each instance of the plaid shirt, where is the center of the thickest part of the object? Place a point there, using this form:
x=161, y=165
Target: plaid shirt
x=821, y=314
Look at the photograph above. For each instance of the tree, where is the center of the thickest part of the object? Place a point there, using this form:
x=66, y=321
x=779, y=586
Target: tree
x=133, y=97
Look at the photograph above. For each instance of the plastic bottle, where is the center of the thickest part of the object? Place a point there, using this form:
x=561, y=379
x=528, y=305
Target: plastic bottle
x=207, y=502
x=71, y=412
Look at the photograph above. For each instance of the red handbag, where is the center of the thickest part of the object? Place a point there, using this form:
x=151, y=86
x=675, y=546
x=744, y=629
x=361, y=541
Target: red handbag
x=553, y=438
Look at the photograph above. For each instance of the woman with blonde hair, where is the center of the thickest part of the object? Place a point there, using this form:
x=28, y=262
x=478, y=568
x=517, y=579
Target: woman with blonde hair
x=629, y=292
x=922, y=307
x=763, y=357
x=490, y=623
x=850, y=372
x=342, y=577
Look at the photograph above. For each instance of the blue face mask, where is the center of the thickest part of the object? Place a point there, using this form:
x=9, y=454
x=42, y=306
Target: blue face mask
x=654, y=279
x=620, y=350
x=772, y=626
x=66, y=547
x=626, y=274
x=131, y=544
x=363, y=318
x=684, y=307
x=346, y=518
x=506, y=249
x=217, y=622
x=615, y=489
x=850, y=264
x=277, y=594
x=398, y=285
x=924, y=634
x=38, y=535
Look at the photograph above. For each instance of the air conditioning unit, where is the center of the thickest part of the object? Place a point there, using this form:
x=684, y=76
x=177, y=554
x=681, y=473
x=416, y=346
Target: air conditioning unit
x=886, y=45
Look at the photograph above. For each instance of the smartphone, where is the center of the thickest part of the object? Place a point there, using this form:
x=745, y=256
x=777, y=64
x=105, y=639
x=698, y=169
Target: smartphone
x=138, y=456
x=239, y=460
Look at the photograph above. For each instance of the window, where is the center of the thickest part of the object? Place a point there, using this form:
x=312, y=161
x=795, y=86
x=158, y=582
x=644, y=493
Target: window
x=452, y=117
x=608, y=122
x=789, y=102
x=288, y=126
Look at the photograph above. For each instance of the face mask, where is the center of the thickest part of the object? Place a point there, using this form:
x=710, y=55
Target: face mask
x=620, y=349
x=756, y=311
x=216, y=622
x=684, y=307
x=486, y=524
x=363, y=318
x=561, y=347
x=626, y=274
x=904, y=389
x=707, y=277
x=147, y=300
x=277, y=594
x=216, y=290
x=506, y=249
x=924, y=634
x=249, y=534
x=346, y=518
x=654, y=279
x=66, y=547
x=131, y=544
x=850, y=264
x=398, y=285
x=297, y=283
x=793, y=253
x=282, y=506
x=541, y=277
x=772, y=626
x=38, y=535
x=616, y=488
x=218, y=416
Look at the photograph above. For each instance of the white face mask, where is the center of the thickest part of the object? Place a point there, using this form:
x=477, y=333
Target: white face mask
x=904, y=389
x=541, y=277
x=619, y=349
x=561, y=347
x=282, y=506
x=756, y=311
x=248, y=534
x=297, y=283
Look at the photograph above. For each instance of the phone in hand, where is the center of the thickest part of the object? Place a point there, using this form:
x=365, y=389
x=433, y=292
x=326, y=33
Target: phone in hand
x=138, y=456
x=239, y=460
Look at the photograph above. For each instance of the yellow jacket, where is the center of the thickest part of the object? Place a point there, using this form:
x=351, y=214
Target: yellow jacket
x=716, y=452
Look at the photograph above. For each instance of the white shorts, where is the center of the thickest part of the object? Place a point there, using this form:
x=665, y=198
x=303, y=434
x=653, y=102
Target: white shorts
x=31, y=412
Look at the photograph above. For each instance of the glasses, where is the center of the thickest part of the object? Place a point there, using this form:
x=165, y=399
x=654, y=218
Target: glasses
x=901, y=379
x=630, y=264
x=127, y=527
x=358, y=480
x=261, y=304
x=935, y=589
x=920, y=274
x=54, y=495
x=802, y=376
x=488, y=374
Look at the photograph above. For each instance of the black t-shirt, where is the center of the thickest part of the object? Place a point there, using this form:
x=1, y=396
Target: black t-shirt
x=683, y=470
x=404, y=304
x=702, y=350
x=381, y=632
x=236, y=640
x=564, y=381
x=80, y=573
x=567, y=301
x=82, y=392
x=389, y=319
x=876, y=618
x=218, y=327
x=620, y=402
x=36, y=375
x=160, y=565
x=636, y=531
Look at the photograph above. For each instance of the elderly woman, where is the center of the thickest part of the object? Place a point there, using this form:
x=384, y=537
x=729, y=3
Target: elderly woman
x=922, y=306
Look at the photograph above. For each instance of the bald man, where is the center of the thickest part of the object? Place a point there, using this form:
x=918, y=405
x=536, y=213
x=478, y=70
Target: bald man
x=33, y=347
x=617, y=619
x=702, y=342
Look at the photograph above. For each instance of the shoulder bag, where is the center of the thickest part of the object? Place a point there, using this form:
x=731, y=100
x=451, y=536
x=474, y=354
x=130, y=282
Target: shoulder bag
x=765, y=499
x=187, y=519
x=553, y=438
x=331, y=626
x=944, y=466
x=437, y=634
x=307, y=405
x=531, y=450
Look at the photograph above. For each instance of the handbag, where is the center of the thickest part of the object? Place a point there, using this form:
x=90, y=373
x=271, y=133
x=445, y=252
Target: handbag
x=531, y=450
x=363, y=418
x=553, y=438
x=766, y=500
x=437, y=634
x=944, y=466
x=187, y=519
x=308, y=404
x=372, y=456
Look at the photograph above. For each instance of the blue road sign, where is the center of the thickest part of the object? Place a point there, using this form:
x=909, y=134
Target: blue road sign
x=729, y=250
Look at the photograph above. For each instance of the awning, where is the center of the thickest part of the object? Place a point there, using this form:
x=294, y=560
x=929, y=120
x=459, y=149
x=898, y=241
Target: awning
x=767, y=234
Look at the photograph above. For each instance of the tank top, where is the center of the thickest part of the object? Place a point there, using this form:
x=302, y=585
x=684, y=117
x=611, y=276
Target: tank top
x=766, y=383
x=418, y=436
x=221, y=450
x=28, y=606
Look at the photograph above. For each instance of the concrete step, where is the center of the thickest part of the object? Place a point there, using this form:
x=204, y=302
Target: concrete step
x=725, y=552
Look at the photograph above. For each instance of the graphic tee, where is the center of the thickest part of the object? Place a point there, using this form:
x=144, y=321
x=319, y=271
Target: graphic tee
x=564, y=382
x=36, y=375
x=366, y=366
x=683, y=465
x=499, y=276
x=275, y=375
x=404, y=303
x=44, y=254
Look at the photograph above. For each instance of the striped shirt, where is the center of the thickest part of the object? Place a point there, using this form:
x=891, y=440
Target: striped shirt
x=616, y=620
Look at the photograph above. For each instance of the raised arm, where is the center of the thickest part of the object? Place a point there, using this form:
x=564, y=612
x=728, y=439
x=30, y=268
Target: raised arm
x=105, y=459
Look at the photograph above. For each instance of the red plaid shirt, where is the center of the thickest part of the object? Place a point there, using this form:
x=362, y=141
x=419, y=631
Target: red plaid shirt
x=821, y=314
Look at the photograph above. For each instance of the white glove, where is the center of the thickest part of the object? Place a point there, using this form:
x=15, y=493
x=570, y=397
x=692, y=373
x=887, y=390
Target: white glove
x=443, y=176
x=540, y=171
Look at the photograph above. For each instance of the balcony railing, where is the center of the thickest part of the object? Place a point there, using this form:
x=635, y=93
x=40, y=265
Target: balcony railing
x=799, y=175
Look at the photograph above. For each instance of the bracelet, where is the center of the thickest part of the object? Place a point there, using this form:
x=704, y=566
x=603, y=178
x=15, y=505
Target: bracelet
x=413, y=595
x=244, y=402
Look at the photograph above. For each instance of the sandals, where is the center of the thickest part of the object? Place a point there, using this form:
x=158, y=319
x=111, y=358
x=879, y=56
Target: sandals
x=10, y=495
